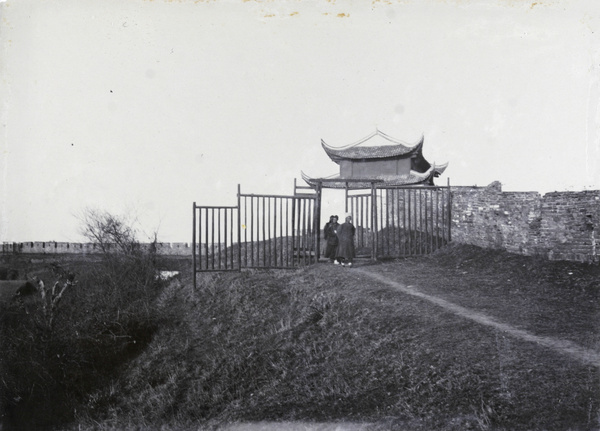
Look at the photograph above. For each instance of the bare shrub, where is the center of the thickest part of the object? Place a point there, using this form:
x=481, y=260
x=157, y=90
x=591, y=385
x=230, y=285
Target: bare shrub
x=114, y=234
x=69, y=339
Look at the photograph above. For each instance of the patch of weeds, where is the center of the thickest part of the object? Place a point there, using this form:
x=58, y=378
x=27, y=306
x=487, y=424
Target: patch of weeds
x=322, y=344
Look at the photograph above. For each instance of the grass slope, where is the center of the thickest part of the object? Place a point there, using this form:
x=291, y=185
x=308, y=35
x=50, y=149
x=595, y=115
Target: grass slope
x=328, y=344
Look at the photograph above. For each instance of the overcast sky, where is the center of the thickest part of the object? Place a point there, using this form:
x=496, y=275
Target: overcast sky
x=143, y=107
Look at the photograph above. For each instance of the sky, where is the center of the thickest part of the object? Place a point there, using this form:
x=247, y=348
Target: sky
x=141, y=108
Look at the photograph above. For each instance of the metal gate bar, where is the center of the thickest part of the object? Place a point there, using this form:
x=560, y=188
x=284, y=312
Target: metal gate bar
x=400, y=221
x=262, y=231
x=214, y=238
x=278, y=231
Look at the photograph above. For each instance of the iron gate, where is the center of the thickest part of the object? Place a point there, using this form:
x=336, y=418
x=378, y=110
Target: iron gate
x=215, y=240
x=279, y=231
x=261, y=231
x=400, y=221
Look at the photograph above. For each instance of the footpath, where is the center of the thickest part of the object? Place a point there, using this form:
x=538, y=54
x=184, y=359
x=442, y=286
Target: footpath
x=564, y=347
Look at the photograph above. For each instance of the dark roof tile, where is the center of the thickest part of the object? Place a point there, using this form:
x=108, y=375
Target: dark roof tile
x=358, y=152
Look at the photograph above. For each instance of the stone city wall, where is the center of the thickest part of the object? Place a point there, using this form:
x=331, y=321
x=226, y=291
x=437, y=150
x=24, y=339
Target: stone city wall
x=557, y=225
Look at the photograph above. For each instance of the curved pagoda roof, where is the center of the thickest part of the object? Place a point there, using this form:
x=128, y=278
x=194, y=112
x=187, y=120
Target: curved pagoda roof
x=413, y=178
x=373, y=148
x=358, y=151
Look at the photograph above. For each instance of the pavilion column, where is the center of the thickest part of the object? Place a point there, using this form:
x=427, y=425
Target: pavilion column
x=318, y=220
x=373, y=221
x=346, y=198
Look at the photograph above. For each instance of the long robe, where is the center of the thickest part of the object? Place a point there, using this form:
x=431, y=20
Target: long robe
x=332, y=239
x=345, y=234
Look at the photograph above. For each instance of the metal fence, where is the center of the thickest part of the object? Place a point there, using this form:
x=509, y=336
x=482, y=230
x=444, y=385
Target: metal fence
x=261, y=231
x=400, y=221
x=216, y=232
x=277, y=231
x=281, y=231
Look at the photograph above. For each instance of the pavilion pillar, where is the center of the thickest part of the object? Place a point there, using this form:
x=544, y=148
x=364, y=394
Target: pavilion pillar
x=346, y=198
x=373, y=221
x=318, y=220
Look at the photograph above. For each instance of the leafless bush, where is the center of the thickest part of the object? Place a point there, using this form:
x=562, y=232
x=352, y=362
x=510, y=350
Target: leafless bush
x=74, y=336
x=114, y=234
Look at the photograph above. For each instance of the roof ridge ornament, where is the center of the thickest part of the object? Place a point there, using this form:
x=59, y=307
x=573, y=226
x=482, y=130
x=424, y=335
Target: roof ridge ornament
x=354, y=144
x=377, y=132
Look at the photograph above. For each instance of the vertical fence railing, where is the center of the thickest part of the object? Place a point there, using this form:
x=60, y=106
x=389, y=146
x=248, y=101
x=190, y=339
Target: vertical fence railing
x=423, y=222
x=277, y=231
x=400, y=221
x=215, y=238
x=359, y=206
x=262, y=231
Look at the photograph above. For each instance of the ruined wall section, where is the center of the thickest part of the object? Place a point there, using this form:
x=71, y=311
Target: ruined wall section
x=558, y=225
x=570, y=225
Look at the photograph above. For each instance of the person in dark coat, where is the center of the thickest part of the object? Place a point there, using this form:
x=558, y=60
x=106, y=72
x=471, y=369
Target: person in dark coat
x=345, y=250
x=331, y=238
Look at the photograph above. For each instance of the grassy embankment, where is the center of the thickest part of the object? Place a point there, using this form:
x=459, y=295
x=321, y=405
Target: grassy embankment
x=324, y=343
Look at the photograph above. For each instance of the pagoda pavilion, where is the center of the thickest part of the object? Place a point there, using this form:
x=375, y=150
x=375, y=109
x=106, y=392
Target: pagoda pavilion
x=378, y=158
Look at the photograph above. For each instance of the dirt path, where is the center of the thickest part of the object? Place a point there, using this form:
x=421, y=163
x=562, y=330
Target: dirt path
x=565, y=347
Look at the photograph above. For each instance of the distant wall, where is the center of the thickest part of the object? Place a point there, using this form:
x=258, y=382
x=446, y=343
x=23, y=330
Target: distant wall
x=558, y=225
x=163, y=248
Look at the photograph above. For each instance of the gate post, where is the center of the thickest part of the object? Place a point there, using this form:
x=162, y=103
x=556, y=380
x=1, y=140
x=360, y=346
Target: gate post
x=346, y=199
x=449, y=212
x=194, y=242
x=374, y=235
x=239, y=227
x=294, y=231
x=317, y=221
